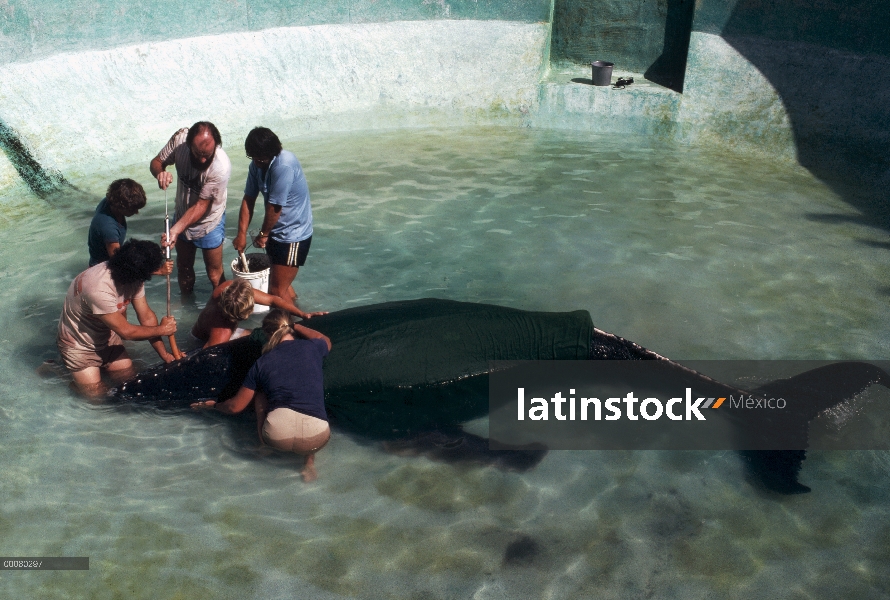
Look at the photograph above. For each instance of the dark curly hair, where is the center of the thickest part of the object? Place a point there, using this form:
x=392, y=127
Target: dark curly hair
x=200, y=126
x=135, y=261
x=262, y=143
x=125, y=195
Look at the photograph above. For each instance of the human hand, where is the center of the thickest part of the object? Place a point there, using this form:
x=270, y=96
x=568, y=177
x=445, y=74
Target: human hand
x=203, y=404
x=260, y=240
x=165, y=269
x=167, y=357
x=172, y=242
x=240, y=242
x=164, y=179
x=168, y=326
x=314, y=314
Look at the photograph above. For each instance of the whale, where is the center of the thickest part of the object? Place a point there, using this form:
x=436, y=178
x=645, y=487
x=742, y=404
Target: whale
x=410, y=373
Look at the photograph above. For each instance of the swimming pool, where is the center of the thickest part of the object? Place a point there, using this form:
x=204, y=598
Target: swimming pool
x=693, y=254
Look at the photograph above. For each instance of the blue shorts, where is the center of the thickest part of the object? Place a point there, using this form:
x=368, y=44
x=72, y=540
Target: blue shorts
x=213, y=239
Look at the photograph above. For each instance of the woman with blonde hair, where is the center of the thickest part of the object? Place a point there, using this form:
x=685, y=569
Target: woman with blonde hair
x=287, y=387
x=231, y=302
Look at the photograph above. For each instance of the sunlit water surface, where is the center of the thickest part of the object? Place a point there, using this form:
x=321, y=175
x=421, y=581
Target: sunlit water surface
x=696, y=256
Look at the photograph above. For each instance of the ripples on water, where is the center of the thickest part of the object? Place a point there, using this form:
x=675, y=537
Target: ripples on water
x=691, y=254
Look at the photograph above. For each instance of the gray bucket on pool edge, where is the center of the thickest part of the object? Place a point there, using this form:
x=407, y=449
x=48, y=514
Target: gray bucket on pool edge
x=602, y=72
x=257, y=277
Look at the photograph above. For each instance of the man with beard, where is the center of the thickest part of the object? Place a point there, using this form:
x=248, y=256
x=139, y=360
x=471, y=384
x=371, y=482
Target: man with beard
x=203, y=169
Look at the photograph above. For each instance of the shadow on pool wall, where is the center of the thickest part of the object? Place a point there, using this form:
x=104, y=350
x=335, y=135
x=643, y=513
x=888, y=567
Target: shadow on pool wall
x=782, y=79
x=830, y=64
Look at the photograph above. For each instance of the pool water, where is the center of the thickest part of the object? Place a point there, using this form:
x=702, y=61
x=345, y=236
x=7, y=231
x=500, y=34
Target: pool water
x=695, y=255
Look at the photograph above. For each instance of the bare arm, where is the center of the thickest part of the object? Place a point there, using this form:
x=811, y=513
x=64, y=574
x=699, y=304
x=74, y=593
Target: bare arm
x=119, y=324
x=232, y=406
x=159, y=172
x=194, y=212
x=311, y=334
x=111, y=248
x=261, y=297
x=273, y=213
x=244, y=218
x=261, y=406
x=147, y=318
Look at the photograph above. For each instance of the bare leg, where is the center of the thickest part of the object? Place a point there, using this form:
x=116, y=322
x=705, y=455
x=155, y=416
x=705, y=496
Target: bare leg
x=309, y=473
x=185, y=265
x=88, y=382
x=280, y=280
x=213, y=264
x=121, y=370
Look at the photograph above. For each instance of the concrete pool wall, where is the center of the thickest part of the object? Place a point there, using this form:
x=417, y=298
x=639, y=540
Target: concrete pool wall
x=88, y=85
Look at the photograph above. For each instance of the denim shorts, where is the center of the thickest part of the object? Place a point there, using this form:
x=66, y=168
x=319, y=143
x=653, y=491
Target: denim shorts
x=213, y=239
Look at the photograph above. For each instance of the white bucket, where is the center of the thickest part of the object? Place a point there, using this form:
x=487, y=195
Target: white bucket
x=259, y=280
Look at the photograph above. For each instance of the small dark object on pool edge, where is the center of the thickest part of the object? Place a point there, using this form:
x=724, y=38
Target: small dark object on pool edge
x=622, y=82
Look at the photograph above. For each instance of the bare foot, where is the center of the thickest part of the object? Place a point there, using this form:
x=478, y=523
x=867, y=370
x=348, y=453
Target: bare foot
x=309, y=473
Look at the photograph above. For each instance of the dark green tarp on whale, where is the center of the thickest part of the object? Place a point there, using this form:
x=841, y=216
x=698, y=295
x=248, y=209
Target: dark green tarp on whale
x=395, y=368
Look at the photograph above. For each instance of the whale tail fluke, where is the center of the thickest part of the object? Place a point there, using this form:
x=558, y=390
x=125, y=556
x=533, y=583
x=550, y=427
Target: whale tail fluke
x=808, y=394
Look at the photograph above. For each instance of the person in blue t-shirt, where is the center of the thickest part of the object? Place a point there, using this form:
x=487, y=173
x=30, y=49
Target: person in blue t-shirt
x=108, y=229
x=286, y=232
x=286, y=386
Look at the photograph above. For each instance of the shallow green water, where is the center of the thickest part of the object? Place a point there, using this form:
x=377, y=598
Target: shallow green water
x=696, y=256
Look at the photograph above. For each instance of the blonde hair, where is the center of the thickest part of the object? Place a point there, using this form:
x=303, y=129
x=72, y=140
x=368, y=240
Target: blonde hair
x=276, y=325
x=236, y=301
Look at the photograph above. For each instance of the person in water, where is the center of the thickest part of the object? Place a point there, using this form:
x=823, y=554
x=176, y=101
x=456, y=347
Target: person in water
x=231, y=302
x=94, y=318
x=286, y=386
x=286, y=230
x=108, y=229
x=203, y=169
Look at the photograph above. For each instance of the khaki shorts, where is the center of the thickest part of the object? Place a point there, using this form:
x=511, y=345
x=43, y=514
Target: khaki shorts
x=291, y=431
x=77, y=359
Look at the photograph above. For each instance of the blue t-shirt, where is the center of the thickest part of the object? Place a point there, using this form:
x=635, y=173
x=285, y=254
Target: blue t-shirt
x=104, y=229
x=291, y=377
x=283, y=184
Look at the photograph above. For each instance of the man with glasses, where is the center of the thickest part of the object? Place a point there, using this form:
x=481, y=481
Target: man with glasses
x=286, y=230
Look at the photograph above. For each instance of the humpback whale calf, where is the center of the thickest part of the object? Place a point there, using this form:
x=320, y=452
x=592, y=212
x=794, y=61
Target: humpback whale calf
x=418, y=369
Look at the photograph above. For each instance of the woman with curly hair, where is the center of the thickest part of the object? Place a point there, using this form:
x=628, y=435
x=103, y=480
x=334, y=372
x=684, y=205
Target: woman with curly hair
x=94, y=318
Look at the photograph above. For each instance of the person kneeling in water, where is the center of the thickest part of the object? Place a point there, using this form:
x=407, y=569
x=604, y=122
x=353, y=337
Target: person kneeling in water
x=231, y=302
x=287, y=387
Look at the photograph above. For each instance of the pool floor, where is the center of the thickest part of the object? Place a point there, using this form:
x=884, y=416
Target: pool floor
x=695, y=255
